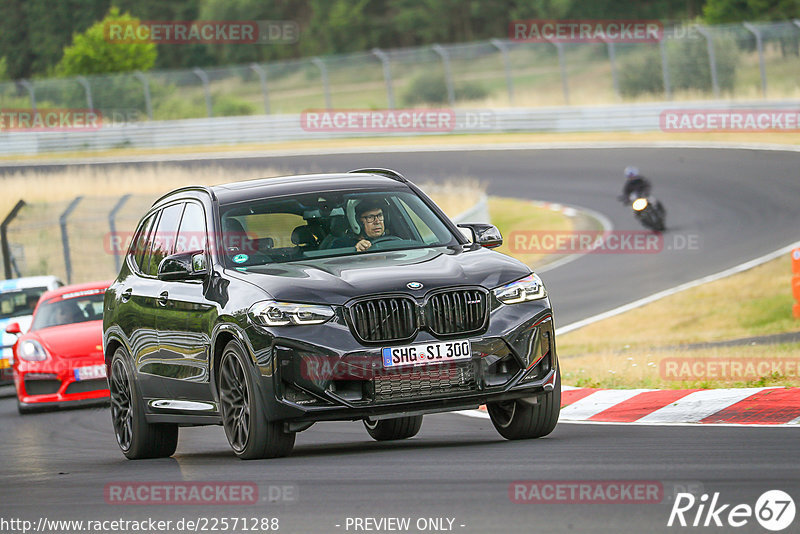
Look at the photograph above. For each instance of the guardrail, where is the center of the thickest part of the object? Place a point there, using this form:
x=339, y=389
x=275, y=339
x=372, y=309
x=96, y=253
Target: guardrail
x=276, y=128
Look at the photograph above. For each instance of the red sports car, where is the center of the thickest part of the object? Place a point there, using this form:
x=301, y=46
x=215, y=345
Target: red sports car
x=59, y=361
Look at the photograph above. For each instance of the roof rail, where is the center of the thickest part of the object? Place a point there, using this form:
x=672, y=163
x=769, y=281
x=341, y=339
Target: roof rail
x=389, y=173
x=204, y=188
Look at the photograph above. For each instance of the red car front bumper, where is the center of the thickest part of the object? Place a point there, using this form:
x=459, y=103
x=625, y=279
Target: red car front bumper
x=59, y=382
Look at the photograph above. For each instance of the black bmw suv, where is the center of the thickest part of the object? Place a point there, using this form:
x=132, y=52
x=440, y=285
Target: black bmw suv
x=265, y=306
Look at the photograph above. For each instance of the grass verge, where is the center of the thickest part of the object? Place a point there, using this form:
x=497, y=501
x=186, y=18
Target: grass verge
x=632, y=350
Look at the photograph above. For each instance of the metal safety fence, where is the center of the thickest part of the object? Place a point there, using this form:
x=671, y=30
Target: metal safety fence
x=749, y=60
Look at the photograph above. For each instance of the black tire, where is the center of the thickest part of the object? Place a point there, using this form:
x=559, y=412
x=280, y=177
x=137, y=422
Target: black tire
x=521, y=420
x=398, y=428
x=250, y=434
x=137, y=438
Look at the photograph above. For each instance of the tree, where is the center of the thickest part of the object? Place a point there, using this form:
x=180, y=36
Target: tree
x=93, y=53
x=722, y=11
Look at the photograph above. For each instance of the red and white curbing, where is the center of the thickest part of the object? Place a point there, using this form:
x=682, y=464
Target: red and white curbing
x=772, y=406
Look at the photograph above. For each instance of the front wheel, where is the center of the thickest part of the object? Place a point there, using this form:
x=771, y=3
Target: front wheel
x=518, y=419
x=136, y=437
x=250, y=434
x=397, y=428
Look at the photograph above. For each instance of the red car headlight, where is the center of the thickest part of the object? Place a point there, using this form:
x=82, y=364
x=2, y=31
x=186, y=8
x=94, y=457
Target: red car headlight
x=32, y=351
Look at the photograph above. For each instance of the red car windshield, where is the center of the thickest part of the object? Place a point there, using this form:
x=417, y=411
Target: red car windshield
x=56, y=312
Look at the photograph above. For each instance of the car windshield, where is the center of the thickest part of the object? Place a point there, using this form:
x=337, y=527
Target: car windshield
x=326, y=224
x=60, y=311
x=19, y=303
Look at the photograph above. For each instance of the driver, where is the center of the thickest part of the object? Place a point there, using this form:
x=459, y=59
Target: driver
x=369, y=214
x=635, y=183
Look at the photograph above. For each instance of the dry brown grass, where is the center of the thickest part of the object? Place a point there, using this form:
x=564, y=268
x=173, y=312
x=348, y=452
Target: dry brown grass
x=453, y=140
x=642, y=368
x=756, y=302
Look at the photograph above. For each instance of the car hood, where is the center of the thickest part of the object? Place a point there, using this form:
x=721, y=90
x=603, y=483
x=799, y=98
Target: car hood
x=72, y=340
x=337, y=280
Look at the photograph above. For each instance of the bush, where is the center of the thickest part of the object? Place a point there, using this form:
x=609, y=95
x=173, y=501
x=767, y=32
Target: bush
x=688, y=67
x=430, y=88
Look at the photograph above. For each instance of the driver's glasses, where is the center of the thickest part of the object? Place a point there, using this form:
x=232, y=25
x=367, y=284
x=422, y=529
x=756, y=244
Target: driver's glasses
x=372, y=218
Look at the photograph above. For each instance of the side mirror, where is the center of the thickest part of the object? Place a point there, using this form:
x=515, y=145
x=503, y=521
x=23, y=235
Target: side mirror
x=14, y=329
x=183, y=266
x=485, y=235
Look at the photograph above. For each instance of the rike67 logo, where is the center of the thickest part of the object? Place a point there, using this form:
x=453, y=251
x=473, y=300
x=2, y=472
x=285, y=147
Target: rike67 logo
x=774, y=510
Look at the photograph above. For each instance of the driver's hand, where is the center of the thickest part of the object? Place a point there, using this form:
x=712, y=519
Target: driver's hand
x=363, y=245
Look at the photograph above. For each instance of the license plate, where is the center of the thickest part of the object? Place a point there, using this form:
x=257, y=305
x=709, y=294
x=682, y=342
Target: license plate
x=425, y=354
x=90, y=372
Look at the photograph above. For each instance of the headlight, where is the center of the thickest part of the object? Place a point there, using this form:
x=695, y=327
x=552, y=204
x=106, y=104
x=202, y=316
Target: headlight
x=273, y=313
x=639, y=204
x=32, y=351
x=523, y=290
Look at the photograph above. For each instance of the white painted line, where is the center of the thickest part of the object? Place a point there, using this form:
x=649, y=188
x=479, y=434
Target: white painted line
x=794, y=422
x=695, y=425
x=597, y=402
x=604, y=221
x=699, y=405
x=677, y=289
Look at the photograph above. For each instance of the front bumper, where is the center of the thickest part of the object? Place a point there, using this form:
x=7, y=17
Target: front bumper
x=54, y=383
x=303, y=381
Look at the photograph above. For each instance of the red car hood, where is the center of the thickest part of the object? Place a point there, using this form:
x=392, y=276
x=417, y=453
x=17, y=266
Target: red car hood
x=72, y=340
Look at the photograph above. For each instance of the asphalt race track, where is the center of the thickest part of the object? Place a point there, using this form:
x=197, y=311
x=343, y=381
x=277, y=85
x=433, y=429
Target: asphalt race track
x=739, y=204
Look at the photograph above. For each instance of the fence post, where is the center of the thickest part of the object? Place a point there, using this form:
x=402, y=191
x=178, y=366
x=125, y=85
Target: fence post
x=448, y=74
x=712, y=58
x=85, y=83
x=200, y=73
x=665, y=69
x=323, y=72
x=4, y=238
x=760, y=45
x=29, y=86
x=387, y=74
x=62, y=222
x=500, y=45
x=562, y=62
x=148, y=104
x=262, y=75
x=612, y=59
x=112, y=226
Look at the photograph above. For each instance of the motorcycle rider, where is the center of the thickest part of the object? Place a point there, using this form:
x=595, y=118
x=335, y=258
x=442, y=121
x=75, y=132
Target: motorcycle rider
x=635, y=183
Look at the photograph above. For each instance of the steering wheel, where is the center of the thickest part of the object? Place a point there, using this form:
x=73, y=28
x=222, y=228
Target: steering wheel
x=386, y=239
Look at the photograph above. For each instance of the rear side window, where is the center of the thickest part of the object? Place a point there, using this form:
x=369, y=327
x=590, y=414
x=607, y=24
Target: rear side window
x=162, y=241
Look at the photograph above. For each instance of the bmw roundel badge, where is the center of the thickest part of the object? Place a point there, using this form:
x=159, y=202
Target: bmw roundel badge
x=414, y=285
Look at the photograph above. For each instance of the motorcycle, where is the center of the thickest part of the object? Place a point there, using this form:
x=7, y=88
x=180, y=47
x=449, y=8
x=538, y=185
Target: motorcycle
x=647, y=211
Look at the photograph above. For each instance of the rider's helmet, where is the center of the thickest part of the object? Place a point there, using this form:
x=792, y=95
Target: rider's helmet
x=631, y=172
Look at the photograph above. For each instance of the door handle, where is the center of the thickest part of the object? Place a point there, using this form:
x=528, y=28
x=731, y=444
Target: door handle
x=163, y=297
x=126, y=295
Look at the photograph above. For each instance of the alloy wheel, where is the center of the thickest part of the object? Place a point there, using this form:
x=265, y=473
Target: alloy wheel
x=121, y=406
x=233, y=396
